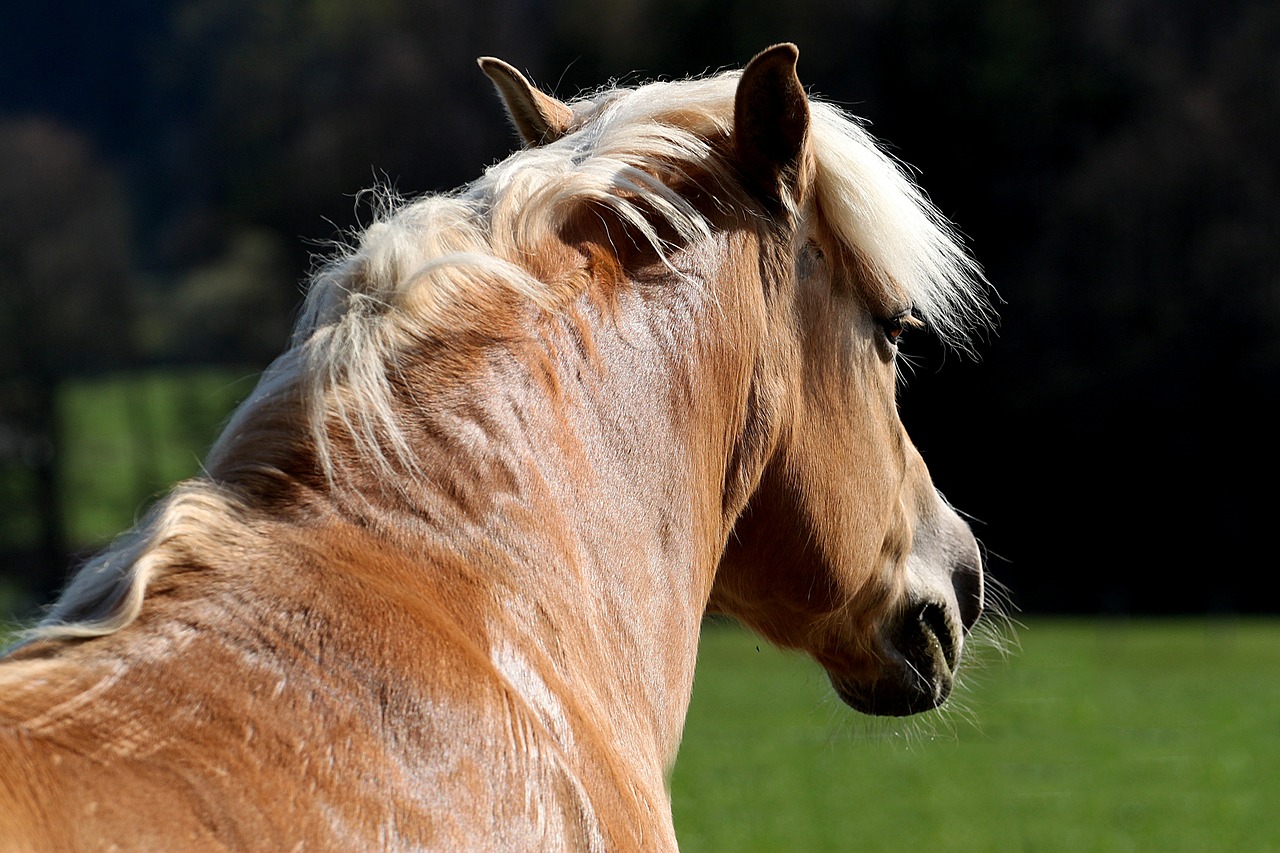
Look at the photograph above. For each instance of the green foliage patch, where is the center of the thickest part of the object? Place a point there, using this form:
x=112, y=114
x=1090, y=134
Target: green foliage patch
x=130, y=437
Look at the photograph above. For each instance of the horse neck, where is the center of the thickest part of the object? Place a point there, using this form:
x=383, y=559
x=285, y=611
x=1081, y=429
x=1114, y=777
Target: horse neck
x=575, y=471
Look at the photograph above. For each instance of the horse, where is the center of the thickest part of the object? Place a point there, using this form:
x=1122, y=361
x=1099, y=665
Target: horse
x=441, y=583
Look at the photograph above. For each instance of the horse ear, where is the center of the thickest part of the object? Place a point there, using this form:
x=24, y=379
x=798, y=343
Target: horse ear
x=538, y=117
x=771, y=117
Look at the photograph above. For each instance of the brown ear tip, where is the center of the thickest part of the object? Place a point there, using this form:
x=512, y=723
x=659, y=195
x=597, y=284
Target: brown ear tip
x=783, y=50
x=494, y=68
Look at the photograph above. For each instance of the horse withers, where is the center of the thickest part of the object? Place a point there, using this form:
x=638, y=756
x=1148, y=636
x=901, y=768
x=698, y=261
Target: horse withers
x=442, y=584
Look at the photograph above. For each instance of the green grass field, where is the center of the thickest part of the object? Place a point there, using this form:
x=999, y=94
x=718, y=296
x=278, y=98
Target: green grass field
x=1093, y=736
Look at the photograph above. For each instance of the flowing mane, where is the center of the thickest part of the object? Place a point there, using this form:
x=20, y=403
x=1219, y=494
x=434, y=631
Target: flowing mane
x=445, y=266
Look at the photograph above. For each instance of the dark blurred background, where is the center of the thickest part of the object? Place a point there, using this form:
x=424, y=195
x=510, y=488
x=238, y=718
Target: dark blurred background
x=168, y=168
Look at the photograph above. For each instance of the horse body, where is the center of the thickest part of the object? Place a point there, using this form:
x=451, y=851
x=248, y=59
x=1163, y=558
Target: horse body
x=476, y=688
x=442, y=586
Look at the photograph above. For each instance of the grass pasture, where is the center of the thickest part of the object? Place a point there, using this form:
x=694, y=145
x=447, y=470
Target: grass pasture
x=1141, y=735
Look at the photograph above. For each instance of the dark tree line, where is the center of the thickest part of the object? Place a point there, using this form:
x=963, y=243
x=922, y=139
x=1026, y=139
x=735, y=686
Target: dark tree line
x=168, y=166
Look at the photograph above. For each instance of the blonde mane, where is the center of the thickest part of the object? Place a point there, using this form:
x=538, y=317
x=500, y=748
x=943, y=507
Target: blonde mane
x=441, y=265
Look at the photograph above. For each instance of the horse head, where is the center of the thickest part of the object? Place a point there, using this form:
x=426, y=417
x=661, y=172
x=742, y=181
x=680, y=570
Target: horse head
x=835, y=541
x=844, y=548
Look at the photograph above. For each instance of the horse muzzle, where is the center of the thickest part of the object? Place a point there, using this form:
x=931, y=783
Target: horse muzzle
x=918, y=664
x=920, y=647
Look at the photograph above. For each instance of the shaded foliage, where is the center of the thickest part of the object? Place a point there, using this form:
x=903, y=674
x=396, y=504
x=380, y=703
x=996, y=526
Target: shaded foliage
x=66, y=286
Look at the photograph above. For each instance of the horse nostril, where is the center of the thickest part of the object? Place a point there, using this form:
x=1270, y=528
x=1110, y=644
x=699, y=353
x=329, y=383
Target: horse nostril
x=933, y=619
x=967, y=582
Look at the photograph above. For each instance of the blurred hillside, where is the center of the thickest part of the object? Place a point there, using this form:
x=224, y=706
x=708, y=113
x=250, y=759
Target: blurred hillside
x=168, y=167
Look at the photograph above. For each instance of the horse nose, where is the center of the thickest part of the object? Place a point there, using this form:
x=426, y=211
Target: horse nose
x=967, y=580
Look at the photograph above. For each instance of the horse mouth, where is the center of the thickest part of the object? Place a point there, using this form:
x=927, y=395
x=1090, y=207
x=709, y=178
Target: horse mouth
x=917, y=671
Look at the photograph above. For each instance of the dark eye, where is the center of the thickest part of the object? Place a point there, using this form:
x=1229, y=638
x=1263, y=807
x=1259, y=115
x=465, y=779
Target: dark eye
x=894, y=327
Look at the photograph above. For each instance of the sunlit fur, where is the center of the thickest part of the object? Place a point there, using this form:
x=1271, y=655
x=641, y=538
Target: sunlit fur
x=443, y=264
x=515, y=429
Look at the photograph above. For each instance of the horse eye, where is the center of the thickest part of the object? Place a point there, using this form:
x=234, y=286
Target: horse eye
x=894, y=327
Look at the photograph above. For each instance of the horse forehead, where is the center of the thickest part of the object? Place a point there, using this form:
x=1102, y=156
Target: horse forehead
x=880, y=294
